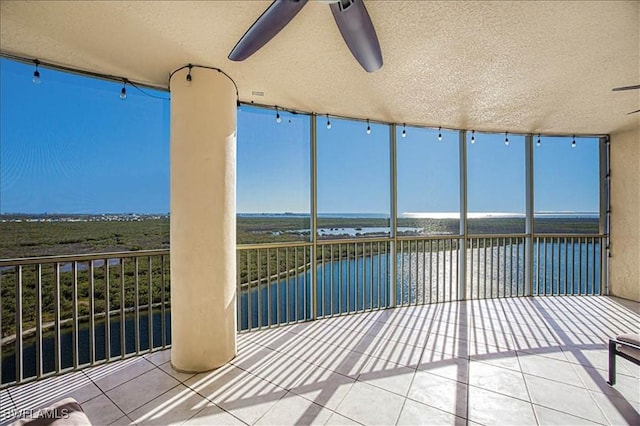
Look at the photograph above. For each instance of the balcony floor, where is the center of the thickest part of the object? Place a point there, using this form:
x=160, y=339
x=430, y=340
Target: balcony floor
x=501, y=361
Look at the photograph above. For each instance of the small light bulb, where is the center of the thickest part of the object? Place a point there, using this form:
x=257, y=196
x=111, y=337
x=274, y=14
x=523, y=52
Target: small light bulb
x=573, y=142
x=538, y=142
x=473, y=137
x=439, y=133
x=506, y=139
x=123, y=93
x=36, y=73
x=368, y=127
x=189, y=79
x=328, y=122
x=278, y=119
x=404, y=133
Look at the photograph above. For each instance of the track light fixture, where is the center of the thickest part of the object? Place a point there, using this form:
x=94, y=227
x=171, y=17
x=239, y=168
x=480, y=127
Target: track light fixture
x=278, y=119
x=404, y=130
x=36, y=73
x=189, y=78
x=328, y=122
x=439, y=133
x=506, y=138
x=368, y=127
x=123, y=91
x=573, y=142
x=473, y=136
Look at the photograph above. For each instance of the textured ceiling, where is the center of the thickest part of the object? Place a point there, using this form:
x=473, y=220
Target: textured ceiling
x=504, y=66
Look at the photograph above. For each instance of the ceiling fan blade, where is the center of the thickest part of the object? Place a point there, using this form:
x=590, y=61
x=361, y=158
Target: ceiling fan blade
x=617, y=89
x=272, y=20
x=357, y=30
x=633, y=112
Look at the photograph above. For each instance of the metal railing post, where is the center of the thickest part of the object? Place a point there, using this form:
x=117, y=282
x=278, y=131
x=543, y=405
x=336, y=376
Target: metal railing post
x=529, y=186
x=394, y=215
x=462, y=249
x=314, y=218
x=605, y=212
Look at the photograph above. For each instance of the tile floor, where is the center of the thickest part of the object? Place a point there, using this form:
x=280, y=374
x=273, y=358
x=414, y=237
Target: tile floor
x=510, y=361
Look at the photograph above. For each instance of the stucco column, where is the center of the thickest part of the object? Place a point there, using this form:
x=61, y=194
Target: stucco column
x=203, y=220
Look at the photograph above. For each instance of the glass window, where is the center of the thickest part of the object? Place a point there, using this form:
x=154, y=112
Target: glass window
x=353, y=179
x=273, y=175
x=80, y=169
x=566, y=185
x=428, y=170
x=495, y=183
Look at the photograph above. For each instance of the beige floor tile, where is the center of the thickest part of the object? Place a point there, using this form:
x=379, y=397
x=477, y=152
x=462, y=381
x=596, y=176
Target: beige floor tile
x=547, y=416
x=142, y=389
x=491, y=408
x=414, y=413
x=122, y=421
x=562, y=397
x=159, y=357
x=552, y=351
x=42, y=393
x=549, y=368
x=618, y=410
x=240, y=393
x=212, y=415
x=295, y=410
x=596, y=380
x=444, y=394
x=172, y=407
x=496, y=379
x=507, y=359
x=338, y=420
x=108, y=376
x=101, y=410
x=282, y=370
x=596, y=358
x=5, y=400
x=400, y=353
x=453, y=368
x=370, y=405
x=387, y=375
x=324, y=387
x=181, y=377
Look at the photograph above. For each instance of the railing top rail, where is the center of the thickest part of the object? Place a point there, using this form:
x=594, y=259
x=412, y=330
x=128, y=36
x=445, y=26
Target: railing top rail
x=429, y=237
x=489, y=236
x=285, y=244
x=82, y=257
x=569, y=235
x=353, y=240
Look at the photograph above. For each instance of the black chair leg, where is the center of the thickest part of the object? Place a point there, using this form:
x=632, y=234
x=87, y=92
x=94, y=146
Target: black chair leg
x=612, y=363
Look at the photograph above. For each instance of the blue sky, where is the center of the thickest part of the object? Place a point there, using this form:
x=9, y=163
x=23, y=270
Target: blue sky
x=71, y=145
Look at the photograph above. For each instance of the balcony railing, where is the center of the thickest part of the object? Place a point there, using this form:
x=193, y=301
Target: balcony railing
x=64, y=313
x=67, y=312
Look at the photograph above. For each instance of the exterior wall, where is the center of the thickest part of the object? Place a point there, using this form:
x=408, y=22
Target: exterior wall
x=625, y=215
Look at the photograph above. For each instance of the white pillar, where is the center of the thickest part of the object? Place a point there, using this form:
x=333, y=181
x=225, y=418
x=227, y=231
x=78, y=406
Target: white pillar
x=203, y=220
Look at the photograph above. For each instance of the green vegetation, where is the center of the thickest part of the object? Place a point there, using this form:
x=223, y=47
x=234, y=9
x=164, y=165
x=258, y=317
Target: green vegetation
x=31, y=239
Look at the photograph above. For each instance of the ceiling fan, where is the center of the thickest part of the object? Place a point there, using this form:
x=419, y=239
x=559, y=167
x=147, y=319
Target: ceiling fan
x=618, y=89
x=351, y=17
